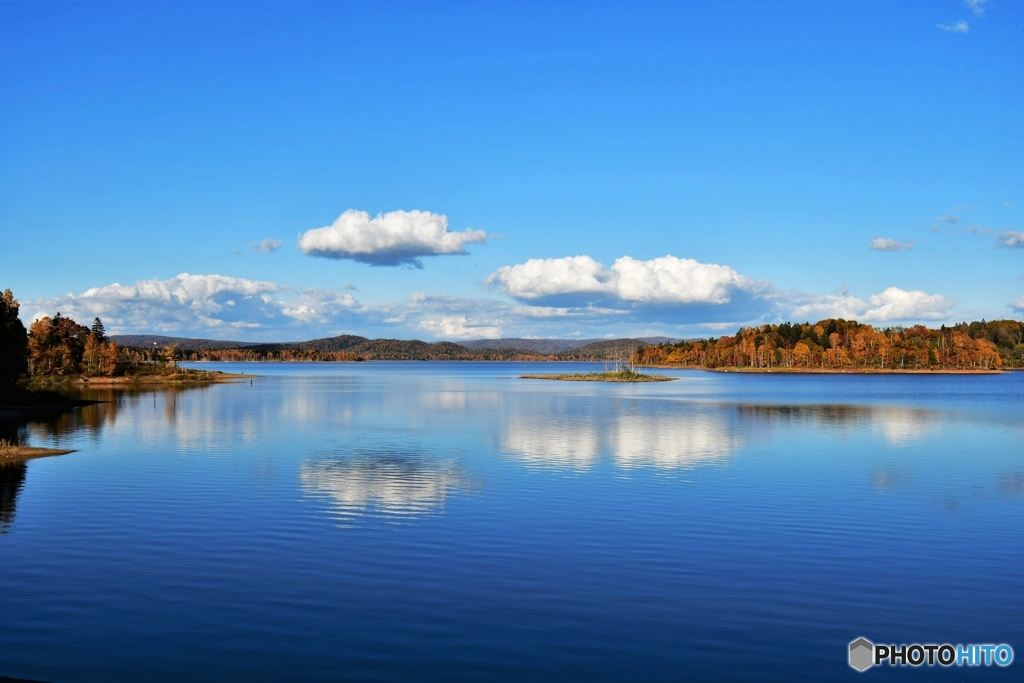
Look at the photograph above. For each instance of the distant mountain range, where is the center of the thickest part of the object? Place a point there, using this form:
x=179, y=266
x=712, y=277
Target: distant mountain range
x=151, y=340
x=399, y=349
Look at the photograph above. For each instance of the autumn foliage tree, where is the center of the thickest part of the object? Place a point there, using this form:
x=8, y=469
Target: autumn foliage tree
x=836, y=344
x=60, y=346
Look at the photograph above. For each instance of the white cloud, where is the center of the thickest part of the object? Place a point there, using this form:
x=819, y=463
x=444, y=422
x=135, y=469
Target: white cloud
x=976, y=6
x=1018, y=305
x=952, y=218
x=828, y=306
x=1011, y=239
x=389, y=239
x=266, y=246
x=539, y=278
x=319, y=306
x=446, y=317
x=978, y=230
x=958, y=27
x=683, y=281
x=894, y=304
x=667, y=280
x=227, y=307
x=196, y=304
x=458, y=327
x=452, y=317
x=889, y=244
x=897, y=304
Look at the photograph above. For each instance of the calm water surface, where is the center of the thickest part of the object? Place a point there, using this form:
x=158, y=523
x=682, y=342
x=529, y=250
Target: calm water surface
x=445, y=521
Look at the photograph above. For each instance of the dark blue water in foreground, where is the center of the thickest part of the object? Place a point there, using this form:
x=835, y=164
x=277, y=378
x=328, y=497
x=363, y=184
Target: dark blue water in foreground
x=444, y=521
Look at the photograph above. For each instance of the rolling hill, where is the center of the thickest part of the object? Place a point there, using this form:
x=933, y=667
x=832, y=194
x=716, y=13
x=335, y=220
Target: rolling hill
x=407, y=349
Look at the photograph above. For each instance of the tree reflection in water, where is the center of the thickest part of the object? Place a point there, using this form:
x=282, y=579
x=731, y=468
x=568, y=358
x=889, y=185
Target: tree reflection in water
x=12, y=480
x=39, y=426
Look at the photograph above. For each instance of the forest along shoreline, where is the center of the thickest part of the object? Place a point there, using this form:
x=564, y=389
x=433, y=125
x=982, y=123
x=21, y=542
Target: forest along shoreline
x=846, y=346
x=39, y=366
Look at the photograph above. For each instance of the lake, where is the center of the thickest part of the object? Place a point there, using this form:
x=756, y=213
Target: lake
x=447, y=521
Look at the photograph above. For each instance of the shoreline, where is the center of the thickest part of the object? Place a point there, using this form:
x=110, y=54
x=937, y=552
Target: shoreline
x=837, y=371
x=774, y=370
x=210, y=377
x=188, y=377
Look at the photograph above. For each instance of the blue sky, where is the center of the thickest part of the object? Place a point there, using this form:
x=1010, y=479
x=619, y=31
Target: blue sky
x=489, y=169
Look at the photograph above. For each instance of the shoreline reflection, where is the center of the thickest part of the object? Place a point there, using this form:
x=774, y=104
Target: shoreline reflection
x=571, y=433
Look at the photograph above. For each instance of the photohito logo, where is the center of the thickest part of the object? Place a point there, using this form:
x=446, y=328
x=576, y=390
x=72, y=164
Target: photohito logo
x=864, y=654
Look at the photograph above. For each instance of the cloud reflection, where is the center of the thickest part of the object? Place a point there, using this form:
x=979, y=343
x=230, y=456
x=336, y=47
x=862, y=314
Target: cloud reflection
x=561, y=438
x=558, y=440
x=393, y=484
x=670, y=442
x=562, y=434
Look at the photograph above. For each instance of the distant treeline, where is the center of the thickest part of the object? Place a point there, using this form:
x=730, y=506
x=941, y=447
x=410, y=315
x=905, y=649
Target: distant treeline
x=355, y=348
x=837, y=344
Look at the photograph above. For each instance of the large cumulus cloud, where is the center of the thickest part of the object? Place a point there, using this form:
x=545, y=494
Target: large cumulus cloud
x=388, y=239
x=666, y=282
x=892, y=305
x=682, y=292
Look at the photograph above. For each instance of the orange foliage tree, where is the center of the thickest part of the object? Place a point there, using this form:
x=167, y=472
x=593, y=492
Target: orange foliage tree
x=838, y=344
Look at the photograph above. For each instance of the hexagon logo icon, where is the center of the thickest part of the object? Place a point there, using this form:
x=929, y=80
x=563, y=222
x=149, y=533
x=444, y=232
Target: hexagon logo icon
x=862, y=654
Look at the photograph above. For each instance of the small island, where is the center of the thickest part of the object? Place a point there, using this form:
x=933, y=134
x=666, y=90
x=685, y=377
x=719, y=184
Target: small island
x=624, y=375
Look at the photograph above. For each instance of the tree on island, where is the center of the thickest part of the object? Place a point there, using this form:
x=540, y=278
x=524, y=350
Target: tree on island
x=13, y=343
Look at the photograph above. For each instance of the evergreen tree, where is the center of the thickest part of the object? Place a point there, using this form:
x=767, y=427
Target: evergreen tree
x=98, y=331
